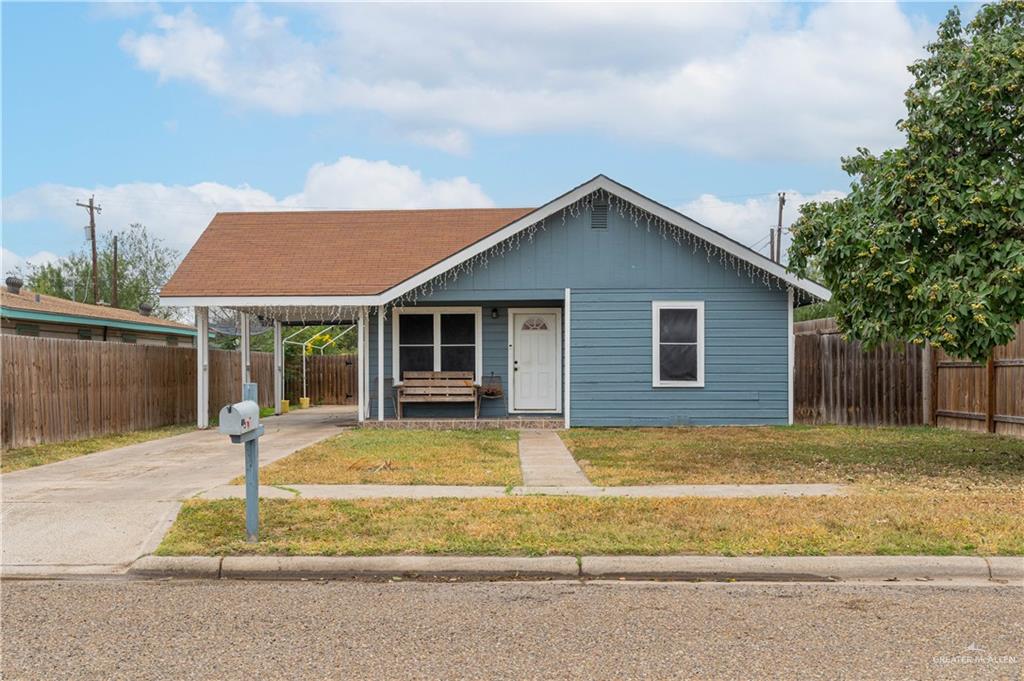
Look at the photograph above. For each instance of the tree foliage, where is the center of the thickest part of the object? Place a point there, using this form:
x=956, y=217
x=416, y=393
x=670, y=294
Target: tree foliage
x=929, y=244
x=144, y=265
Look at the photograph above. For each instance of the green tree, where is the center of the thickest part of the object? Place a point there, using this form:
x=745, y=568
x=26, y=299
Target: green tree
x=144, y=264
x=929, y=243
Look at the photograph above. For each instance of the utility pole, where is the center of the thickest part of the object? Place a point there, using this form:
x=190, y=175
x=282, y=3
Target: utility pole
x=778, y=232
x=113, y=284
x=93, y=208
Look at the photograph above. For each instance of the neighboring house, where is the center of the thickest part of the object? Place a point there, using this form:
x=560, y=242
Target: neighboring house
x=27, y=313
x=603, y=306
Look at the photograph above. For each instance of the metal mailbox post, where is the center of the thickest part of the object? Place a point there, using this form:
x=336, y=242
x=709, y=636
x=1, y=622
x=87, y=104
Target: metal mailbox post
x=242, y=422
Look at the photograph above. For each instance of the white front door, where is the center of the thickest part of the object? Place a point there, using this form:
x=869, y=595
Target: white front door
x=536, y=360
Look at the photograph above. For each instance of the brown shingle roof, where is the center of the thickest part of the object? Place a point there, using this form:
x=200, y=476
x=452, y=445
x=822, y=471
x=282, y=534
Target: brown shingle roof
x=26, y=300
x=327, y=252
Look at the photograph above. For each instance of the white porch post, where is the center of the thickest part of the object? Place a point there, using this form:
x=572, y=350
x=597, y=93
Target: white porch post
x=278, y=367
x=380, y=362
x=202, y=367
x=791, y=351
x=361, y=361
x=244, y=343
x=567, y=365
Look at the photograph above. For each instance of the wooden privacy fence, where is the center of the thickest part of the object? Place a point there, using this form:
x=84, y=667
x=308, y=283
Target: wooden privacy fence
x=981, y=396
x=840, y=382
x=55, y=390
x=330, y=379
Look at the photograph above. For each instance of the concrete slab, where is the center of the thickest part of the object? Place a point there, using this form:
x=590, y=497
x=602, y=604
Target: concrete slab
x=670, y=491
x=545, y=461
x=360, y=492
x=384, y=567
x=104, y=510
x=787, y=568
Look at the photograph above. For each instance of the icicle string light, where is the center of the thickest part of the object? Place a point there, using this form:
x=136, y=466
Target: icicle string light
x=626, y=210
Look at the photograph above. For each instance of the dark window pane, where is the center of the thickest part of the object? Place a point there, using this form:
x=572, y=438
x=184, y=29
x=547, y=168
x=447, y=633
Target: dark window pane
x=415, y=359
x=678, y=363
x=415, y=329
x=678, y=326
x=458, y=329
x=458, y=358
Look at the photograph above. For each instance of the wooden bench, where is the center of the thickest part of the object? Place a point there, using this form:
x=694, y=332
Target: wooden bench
x=437, y=386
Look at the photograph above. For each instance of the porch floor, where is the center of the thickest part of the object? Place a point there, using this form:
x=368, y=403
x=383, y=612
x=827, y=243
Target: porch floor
x=511, y=422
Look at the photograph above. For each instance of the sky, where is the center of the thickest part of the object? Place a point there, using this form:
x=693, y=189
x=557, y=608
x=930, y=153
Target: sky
x=169, y=113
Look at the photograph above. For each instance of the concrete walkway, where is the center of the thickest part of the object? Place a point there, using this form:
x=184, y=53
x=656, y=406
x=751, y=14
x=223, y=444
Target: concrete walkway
x=98, y=513
x=546, y=462
x=484, y=492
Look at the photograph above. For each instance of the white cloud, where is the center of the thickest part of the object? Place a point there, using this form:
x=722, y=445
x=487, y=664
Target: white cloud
x=452, y=141
x=179, y=213
x=748, y=221
x=747, y=80
x=11, y=261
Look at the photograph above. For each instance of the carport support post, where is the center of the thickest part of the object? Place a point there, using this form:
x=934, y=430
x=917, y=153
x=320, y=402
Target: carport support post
x=202, y=367
x=278, y=367
x=360, y=361
x=380, y=362
x=244, y=342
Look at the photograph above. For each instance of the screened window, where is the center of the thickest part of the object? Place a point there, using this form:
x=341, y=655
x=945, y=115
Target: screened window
x=678, y=344
x=415, y=342
x=437, y=339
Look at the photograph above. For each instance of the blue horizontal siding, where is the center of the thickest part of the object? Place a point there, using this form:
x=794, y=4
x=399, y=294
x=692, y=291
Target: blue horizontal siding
x=615, y=274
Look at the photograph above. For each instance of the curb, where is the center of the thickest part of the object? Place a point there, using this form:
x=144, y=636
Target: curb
x=386, y=567
x=1002, y=569
x=788, y=568
x=178, y=567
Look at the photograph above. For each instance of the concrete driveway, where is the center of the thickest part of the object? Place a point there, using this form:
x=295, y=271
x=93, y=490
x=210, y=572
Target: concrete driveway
x=100, y=512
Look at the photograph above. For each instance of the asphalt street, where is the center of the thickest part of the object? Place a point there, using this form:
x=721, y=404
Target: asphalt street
x=118, y=629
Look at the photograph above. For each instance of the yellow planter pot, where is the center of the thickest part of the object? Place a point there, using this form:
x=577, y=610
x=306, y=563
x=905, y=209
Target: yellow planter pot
x=303, y=403
x=284, y=406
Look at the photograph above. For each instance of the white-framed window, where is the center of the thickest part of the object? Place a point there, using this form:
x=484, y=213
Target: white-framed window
x=436, y=339
x=677, y=334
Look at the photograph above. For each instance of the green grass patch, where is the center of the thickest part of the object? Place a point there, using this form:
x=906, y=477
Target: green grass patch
x=929, y=457
x=922, y=523
x=402, y=457
x=27, y=457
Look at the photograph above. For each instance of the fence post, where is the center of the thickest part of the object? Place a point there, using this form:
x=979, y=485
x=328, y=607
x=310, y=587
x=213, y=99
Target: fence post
x=929, y=373
x=990, y=390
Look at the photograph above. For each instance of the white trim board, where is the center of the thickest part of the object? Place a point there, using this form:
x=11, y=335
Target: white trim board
x=656, y=307
x=512, y=312
x=547, y=210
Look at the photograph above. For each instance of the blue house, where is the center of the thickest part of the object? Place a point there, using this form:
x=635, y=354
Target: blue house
x=600, y=308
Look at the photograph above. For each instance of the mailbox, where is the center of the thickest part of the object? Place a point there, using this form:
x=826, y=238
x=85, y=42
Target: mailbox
x=239, y=418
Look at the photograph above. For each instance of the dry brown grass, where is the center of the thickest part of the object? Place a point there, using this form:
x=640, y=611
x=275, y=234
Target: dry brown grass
x=909, y=522
x=930, y=457
x=402, y=457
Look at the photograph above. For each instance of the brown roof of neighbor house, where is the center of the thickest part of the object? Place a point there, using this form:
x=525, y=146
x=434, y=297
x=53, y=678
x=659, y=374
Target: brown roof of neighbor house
x=26, y=300
x=327, y=252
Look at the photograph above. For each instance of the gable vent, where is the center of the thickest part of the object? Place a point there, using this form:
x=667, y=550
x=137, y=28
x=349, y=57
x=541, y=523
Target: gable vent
x=599, y=215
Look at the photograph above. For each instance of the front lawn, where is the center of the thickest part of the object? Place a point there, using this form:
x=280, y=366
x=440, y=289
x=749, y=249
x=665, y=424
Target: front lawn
x=27, y=457
x=929, y=457
x=879, y=523
x=402, y=457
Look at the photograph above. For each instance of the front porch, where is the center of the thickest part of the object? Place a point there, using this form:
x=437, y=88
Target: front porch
x=516, y=352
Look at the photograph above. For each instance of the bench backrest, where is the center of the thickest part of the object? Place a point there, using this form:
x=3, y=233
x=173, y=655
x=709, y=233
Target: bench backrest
x=438, y=383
